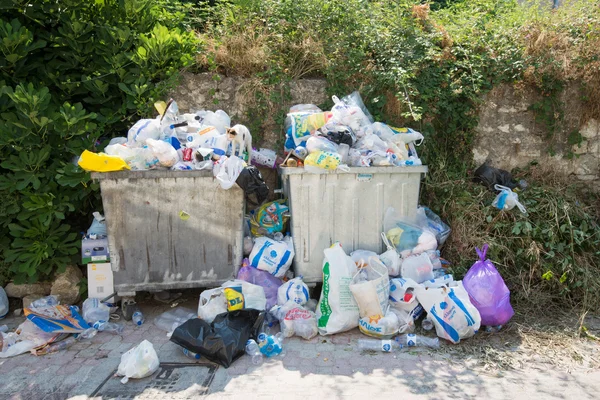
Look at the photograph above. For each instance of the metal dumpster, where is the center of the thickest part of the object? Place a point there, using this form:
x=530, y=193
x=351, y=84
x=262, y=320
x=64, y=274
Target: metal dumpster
x=345, y=207
x=171, y=229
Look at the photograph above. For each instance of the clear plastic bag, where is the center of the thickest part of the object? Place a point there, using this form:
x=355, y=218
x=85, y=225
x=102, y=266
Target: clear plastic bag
x=319, y=143
x=408, y=235
x=435, y=223
x=507, y=199
x=165, y=153
x=295, y=319
x=229, y=170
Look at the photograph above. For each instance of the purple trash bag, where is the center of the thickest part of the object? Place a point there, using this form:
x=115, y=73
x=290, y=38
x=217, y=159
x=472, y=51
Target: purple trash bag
x=488, y=292
x=262, y=278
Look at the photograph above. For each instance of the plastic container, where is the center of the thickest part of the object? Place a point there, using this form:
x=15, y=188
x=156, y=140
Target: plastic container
x=94, y=311
x=253, y=351
x=191, y=354
x=386, y=346
x=345, y=206
x=413, y=340
x=138, y=318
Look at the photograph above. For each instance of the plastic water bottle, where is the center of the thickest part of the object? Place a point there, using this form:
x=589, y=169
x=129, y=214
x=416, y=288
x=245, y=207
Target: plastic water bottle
x=4, y=328
x=87, y=334
x=45, y=302
x=138, y=318
x=412, y=340
x=253, y=351
x=55, y=347
x=386, y=346
x=278, y=236
x=191, y=354
x=427, y=324
x=113, y=327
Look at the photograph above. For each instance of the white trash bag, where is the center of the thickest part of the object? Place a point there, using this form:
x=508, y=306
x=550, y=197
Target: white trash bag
x=139, y=362
x=212, y=303
x=391, y=258
x=371, y=288
x=294, y=290
x=507, y=199
x=337, y=310
x=451, y=311
x=228, y=171
x=273, y=256
x=142, y=130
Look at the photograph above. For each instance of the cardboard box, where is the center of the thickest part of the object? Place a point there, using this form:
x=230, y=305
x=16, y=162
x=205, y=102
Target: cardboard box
x=100, y=281
x=94, y=250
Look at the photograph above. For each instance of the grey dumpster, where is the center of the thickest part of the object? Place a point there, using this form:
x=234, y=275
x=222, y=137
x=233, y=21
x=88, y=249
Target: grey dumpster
x=171, y=229
x=345, y=207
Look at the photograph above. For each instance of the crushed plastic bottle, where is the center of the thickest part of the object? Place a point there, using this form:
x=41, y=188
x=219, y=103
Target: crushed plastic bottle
x=138, y=318
x=493, y=329
x=253, y=351
x=413, y=340
x=56, y=347
x=112, y=327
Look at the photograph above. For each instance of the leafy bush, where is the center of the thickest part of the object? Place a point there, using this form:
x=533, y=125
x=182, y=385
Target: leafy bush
x=72, y=73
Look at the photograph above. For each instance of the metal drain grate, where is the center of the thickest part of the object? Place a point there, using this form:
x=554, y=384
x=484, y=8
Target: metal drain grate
x=171, y=381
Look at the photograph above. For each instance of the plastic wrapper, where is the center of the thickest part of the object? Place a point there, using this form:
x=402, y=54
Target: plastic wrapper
x=269, y=218
x=224, y=340
x=507, y=199
x=228, y=171
x=311, y=108
x=488, y=292
x=299, y=127
x=323, y=160
x=57, y=319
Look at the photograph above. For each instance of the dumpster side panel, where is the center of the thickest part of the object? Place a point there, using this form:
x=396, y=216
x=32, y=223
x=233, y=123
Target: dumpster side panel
x=167, y=233
x=346, y=208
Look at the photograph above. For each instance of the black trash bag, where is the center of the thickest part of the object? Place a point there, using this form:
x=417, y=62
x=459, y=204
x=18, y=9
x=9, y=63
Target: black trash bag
x=253, y=185
x=339, y=137
x=490, y=176
x=223, y=341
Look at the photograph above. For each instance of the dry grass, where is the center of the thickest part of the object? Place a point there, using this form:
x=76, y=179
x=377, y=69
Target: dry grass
x=565, y=45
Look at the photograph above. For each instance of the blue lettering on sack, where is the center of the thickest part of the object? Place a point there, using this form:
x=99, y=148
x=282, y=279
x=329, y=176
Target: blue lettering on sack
x=470, y=320
x=450, y=331
x=259, y=255
x=369, y=327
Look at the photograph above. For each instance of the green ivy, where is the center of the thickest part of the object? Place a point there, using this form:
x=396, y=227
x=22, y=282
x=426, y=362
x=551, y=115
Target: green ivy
x=73, y=73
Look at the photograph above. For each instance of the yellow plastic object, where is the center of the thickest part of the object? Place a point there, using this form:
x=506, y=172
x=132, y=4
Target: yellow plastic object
x=323, y=159
x=161, y=107
x=394, y=235
x=100, y=162
x=235, y=299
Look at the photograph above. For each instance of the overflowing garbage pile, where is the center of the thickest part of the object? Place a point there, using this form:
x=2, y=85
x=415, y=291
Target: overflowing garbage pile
x=346, y=136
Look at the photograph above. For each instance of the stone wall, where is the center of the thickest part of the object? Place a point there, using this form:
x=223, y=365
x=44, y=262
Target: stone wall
x=509, y=136
x=235, y=96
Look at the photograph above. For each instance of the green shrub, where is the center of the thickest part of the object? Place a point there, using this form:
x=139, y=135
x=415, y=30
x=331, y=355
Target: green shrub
x=72, y=74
